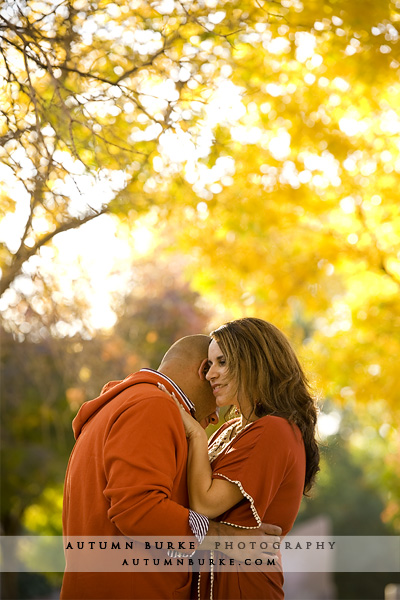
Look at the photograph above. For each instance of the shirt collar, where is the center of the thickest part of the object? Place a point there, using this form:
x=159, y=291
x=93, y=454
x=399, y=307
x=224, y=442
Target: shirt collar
x=189, y=404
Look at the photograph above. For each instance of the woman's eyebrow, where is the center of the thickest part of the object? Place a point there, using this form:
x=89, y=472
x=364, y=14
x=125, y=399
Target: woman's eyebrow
x=217, y=358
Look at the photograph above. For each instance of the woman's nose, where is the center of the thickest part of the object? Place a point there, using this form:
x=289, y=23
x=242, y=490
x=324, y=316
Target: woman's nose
x=210, y=373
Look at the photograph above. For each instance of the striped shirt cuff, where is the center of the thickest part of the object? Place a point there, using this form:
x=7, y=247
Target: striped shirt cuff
x=199, y=524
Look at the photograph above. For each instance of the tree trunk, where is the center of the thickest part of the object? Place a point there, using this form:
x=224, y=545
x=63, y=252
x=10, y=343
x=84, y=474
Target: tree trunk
x=10, y=526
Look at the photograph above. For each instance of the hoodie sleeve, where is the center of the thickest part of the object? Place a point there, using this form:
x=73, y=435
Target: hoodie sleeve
x=144, y=452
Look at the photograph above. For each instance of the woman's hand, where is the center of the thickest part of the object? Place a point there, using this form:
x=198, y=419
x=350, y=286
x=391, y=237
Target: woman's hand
x=192, y=427
x=207, y=496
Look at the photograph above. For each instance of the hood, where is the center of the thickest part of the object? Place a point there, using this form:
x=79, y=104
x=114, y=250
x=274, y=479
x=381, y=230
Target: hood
x=108, y=393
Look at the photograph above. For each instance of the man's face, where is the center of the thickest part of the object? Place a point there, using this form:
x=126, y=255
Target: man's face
x=205, y=400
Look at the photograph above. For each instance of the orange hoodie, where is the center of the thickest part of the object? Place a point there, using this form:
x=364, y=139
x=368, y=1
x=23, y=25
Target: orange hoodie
x=126, y=476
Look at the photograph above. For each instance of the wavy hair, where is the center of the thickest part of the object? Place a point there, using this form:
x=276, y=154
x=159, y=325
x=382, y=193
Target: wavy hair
x=267, y=372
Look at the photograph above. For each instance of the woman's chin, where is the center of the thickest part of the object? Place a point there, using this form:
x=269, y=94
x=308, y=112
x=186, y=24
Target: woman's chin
x=221, y=402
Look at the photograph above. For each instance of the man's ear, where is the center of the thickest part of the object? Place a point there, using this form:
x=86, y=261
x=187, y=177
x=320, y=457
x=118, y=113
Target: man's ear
x=203, y=369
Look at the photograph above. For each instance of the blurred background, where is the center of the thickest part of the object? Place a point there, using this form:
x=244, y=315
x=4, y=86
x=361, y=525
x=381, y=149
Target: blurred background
x=169, y=165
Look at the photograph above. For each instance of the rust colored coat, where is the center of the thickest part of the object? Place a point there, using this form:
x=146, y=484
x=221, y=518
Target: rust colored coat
x=127, y=476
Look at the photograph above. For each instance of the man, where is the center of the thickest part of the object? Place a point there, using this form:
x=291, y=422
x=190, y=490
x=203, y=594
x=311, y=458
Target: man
x=127, y=472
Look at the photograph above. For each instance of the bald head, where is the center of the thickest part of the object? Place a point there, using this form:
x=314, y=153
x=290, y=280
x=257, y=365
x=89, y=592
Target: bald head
x=191, y=349
x=184, y=363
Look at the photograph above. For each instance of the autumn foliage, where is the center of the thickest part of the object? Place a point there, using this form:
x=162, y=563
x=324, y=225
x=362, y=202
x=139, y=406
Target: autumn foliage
x=260, y=139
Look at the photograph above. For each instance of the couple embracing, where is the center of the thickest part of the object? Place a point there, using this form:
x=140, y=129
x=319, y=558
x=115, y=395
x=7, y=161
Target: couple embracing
x=142, y=464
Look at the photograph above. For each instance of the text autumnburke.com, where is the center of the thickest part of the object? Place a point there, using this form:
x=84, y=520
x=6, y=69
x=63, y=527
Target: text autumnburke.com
x=197, y=562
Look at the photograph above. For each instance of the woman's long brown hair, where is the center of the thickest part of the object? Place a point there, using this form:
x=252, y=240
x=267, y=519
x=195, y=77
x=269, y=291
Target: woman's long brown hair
x=267, y=372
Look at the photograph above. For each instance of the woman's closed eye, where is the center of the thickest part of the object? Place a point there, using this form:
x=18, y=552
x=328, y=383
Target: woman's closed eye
x=221, y=362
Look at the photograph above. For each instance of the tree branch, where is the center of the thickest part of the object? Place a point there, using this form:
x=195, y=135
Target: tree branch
x=25, y=253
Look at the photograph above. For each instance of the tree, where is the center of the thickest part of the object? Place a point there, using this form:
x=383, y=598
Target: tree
x=90, y=91
x=35, y=425
x=352, y=491
x=307, y=215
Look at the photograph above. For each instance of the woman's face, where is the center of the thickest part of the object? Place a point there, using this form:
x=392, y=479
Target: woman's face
x=221, y=380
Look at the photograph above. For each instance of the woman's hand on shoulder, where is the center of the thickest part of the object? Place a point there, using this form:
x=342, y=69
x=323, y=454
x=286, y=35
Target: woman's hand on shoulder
x=192, y=427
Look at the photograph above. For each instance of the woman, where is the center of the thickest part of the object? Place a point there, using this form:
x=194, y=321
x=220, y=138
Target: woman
x=257, y=466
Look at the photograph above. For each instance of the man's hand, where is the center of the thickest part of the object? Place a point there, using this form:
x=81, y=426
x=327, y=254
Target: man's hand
x=259, y=543
x=272, y=531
